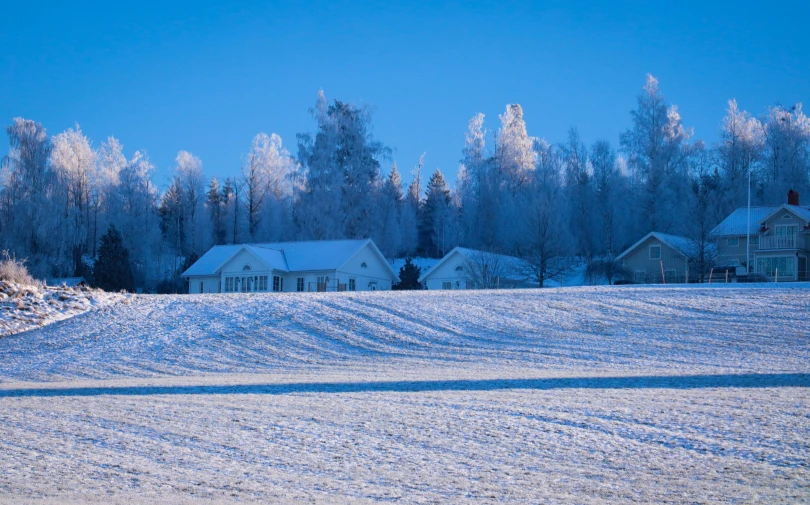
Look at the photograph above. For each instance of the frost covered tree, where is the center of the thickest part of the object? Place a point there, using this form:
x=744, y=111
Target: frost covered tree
x=740, y=148
x=656, y=148
x=547, y=239
x=341, y=167
x=27, y=217
x=610, y=197
x=478, y=191
x=73, y=162
x=110, y=161
x=509, y=178
x=393, y=199
x=266, y=171
x=514, y=153
x=706, y=209
x=787, y=153
x=579, y=192
x=188, y=186
x=138, y=221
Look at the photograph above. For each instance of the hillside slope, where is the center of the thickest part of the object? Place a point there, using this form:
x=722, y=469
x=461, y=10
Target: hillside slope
x=599, y=328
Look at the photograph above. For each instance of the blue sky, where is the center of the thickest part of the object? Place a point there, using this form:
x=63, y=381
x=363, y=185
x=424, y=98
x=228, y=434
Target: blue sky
x=167, y=76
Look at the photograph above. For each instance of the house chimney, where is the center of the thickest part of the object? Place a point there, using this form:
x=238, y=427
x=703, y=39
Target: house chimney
x=793, y=198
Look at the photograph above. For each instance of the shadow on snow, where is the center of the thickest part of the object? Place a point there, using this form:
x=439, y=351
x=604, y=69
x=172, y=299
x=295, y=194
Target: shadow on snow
x=637, y=382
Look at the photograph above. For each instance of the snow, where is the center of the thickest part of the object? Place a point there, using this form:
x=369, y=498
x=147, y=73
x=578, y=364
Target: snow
x=577, y=395
x=24, y=307
x=736, y=223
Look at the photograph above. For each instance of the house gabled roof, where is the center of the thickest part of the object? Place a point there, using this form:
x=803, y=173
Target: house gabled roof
x=511, y=263
x=285, y=256
x=735, y=224
x=683, y=245
x=802, y=212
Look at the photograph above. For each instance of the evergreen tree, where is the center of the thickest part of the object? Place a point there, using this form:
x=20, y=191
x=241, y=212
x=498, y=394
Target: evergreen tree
x=434, y=217
x=408, y=276
x=112, y=271
x=216, y=212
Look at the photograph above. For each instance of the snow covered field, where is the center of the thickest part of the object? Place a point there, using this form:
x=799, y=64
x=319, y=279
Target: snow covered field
x=579, y=395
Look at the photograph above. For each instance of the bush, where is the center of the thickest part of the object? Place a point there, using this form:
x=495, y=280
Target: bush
x=408, y=276
x=14, y=270
x=608, y=269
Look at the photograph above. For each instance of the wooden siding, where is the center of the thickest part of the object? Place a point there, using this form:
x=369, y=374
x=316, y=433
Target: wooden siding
x=644, y=270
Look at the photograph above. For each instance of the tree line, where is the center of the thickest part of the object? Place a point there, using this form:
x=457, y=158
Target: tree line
x=514, y=193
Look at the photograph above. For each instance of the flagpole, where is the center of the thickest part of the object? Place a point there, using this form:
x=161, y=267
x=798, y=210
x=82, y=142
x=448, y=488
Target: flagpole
x=748, y=230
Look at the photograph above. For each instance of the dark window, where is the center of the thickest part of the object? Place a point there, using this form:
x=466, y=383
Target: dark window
x=299, y=286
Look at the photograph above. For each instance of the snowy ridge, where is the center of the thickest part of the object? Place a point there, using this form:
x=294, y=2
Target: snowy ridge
x=24, y=307
x=632, y=328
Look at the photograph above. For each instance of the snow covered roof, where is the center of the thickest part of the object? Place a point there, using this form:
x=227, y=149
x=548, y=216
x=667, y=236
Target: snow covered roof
x=735, y=224
x=285, y=256
x=683, y=245
x=802, y=212
x=511, y=264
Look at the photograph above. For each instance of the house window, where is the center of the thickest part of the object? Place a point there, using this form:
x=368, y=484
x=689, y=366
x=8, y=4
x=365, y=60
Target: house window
x=459, y=268
x=299, y=284
x=470, y=285
x=321, y=284
x=639, y=277
x=655, y=252
x=363, y=265
x=784, y=264
x=247, y=284
x=733, y=242
x=669, y=275
x=262, y=283
x=229, y=282
x=246, y=268
x=754, y=240
x=786, y=216
x=447, y=285
x=278, y=283
x=352, y=285
x=202, y=287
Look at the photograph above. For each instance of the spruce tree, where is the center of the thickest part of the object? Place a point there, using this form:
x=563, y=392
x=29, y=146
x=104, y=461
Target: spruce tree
x=408, y=276
x=434, y=215
x=112, y=271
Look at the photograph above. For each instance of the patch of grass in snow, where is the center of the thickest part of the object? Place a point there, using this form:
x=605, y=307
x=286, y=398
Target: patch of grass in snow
x=14, y=270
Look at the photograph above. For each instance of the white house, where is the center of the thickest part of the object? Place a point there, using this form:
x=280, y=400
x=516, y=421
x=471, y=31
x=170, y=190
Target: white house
x=464, y=268
x=326, y=265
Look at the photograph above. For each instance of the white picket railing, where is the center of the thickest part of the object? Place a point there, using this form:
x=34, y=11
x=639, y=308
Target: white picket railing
x=778, y=242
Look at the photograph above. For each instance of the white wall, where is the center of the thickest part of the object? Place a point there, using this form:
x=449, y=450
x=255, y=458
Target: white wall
x=210, y=285
x=446, y=272
x=376, y=271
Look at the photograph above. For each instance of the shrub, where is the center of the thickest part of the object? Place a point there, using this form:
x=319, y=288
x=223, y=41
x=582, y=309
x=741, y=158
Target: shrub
x=607, y=269
x=408, y=276
x=14, y=270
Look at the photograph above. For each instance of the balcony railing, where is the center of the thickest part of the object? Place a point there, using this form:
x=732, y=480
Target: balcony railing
x=778, y=242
